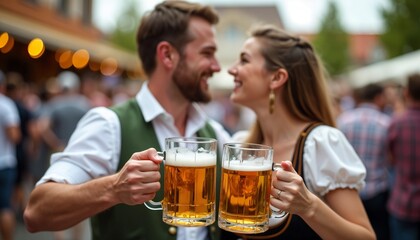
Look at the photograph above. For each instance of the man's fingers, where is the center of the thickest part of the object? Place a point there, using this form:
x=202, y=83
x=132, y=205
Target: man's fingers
x=149, y=177
x=149, y=154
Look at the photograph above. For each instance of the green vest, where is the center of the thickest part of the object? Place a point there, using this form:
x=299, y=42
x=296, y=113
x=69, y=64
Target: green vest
x=124, y=222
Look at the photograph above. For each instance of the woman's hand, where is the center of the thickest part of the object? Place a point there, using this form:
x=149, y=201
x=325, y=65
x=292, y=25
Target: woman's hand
x=290, y=193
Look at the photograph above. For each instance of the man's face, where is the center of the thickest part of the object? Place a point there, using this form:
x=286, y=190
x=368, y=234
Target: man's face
x=197, y=63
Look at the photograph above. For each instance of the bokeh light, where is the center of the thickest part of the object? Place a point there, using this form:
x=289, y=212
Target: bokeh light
x=65, y=59
x=4, y=38
x=36, y=48
x=94, y=66
x=6, y=42
x=80, y=58
x=109, y=66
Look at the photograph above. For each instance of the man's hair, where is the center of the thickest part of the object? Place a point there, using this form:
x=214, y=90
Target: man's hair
x=370, y=92
x=168, y=22
x=413, y=86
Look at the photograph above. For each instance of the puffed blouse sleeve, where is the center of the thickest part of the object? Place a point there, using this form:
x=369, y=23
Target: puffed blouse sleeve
x=330, y=162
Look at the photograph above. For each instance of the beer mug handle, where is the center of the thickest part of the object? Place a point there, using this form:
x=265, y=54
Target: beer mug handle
x=275, y=212
x=152, y=205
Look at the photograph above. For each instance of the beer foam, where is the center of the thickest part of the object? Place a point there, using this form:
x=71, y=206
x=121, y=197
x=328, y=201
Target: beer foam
x=258, y=164
x=190, y=159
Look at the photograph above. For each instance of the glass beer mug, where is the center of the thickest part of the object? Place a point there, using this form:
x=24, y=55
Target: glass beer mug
x=189, y=182
x=244, y=205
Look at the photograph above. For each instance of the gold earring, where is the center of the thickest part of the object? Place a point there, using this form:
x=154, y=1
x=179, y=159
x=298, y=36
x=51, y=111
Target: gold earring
x=271, y=98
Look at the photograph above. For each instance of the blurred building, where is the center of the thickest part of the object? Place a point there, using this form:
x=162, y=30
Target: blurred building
x=393, y=70
x=364, y=48
x=235, y=21
x=59, y=32
x=232, y=29
x=40, y=38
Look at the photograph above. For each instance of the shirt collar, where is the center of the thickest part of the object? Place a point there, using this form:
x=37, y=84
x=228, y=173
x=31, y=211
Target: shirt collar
x=149, y=106
x=152, y=109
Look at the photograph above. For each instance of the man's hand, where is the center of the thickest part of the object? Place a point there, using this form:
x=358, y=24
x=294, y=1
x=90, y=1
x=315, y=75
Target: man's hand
x=138, y=180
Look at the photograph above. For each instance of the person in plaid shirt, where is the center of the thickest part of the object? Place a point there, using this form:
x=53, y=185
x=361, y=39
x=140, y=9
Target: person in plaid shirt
x=404, y=142
x=366, y=128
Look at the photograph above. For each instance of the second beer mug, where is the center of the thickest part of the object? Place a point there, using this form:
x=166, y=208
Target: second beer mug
x=189, y=182
x=245, y=187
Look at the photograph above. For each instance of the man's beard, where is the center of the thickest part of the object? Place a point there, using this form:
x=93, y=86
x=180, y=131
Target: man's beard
x=189, y=83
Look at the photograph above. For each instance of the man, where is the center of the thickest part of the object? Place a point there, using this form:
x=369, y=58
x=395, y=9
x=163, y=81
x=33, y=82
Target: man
x=15, y=87
x=63, y=112
x=366, y=129
x=92, y=176
x=10, y=135
x=404, y=142
x=59, y=120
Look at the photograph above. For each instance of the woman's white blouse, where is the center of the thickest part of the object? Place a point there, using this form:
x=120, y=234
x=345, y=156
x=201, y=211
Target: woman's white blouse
x=329, y=161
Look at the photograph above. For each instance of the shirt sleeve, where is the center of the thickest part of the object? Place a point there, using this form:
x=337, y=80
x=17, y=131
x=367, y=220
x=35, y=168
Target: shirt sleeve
x=330, y=162
x=9, y=113
x=93, y=150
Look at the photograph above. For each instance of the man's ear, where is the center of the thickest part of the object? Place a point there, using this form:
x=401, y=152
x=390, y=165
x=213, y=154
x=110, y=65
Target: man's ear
x=279, y=78
x=166, y=54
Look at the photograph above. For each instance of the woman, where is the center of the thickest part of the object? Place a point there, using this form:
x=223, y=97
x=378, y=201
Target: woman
x=281, y=79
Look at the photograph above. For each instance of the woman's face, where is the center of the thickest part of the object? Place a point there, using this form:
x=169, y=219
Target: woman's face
x=250, y=77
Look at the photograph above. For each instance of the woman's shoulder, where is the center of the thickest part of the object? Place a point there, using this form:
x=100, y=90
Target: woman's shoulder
x=325, y=133
x=331, y=162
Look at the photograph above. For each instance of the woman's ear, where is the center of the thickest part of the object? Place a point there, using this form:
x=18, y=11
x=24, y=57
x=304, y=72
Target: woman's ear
x=279, y=78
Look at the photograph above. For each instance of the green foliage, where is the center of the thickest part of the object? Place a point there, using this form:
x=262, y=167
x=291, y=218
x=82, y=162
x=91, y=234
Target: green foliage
x=124, y=34
x=332, y=42
x=402, y=27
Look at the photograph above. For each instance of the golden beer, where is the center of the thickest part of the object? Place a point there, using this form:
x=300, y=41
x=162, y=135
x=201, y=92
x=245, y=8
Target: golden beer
x=244, y=199
x=189, y=189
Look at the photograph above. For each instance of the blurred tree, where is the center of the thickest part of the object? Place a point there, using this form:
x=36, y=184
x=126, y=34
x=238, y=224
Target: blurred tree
x=402, y=27
x=124, y=35
x=332, y=42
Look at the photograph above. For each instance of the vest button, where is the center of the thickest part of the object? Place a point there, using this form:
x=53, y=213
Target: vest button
x=212, y=229
x=172, y=230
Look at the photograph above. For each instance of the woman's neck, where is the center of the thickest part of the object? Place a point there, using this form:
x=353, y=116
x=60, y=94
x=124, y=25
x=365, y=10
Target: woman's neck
x=281, y=132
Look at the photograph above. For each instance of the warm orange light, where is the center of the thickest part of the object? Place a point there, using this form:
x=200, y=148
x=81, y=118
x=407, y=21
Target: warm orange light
x=109, y=66
x=36, y=48
x=94, y=66
x=65, y=59
x=80, y=58
x=4, y=38
x=58, y=53
x=9, y=45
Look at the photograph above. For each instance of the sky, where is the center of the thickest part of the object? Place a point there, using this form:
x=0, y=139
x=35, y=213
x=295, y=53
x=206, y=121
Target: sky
x=303, y=16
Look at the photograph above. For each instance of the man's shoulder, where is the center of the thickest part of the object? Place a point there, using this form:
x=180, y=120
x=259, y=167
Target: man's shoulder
x=5, y=100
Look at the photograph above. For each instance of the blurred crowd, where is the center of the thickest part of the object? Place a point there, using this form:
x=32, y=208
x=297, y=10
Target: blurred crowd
x=382, y=122
x=46, y=118
x=369, y=116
